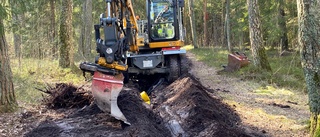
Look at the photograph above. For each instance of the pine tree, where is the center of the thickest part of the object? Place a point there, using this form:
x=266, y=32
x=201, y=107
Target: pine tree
x=260, y=59
x=66, y=48
x=309, y=33
x=7, y=97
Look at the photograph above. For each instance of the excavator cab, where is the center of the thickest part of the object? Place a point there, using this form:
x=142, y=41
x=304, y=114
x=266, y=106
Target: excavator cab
x=162, y=20
x=165, y=22
x=163, y=27
x=162, y=35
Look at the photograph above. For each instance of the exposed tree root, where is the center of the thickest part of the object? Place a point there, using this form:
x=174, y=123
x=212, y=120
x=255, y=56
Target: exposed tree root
x=66, y=96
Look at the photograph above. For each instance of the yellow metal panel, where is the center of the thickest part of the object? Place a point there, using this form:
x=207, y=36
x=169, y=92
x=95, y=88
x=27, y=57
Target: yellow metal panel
x=140, y=41
x=102, y=62
x=166, y=44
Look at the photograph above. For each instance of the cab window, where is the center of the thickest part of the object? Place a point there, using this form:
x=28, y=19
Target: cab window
x=162, y=20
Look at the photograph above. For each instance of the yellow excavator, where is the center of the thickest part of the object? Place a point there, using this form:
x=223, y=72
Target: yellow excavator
x=135, y=48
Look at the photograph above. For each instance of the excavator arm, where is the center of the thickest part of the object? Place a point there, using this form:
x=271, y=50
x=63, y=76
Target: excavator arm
x=119, y=28
x=120, y=34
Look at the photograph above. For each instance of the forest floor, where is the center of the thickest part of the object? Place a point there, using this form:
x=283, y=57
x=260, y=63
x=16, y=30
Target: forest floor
x=273, y=111
x=204, y=103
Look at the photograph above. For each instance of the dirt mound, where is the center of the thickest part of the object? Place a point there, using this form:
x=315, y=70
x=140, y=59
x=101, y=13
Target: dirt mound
x=64, y=95
x=189, y=110
x=144, y=122
x=90, y=121
x=184, y=108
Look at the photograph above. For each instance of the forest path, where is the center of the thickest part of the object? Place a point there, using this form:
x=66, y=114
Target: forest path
x=276, y=112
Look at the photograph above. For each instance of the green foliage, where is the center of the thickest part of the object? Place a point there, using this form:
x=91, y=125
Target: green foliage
x=3, y=11
x=139, y=7
x=269, y=13
x=34, y=22
x=239, y=19
x=287, y=71
x=3, y=15
x=34, y=73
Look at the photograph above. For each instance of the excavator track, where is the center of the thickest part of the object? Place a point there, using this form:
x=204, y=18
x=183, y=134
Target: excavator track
x=184, y=64
x=174, y=68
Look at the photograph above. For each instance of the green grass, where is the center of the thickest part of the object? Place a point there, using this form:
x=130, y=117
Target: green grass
x=214, y=57
x=286, y=70
x=34, y=73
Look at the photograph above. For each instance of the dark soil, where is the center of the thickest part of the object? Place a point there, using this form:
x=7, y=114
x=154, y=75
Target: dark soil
x=187, y=102
x=183, y=108
x=144, y=122
x=64, y=95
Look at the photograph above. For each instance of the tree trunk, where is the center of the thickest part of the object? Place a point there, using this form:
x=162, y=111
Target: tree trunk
x=17, y=45
x=16, y=36
x=89, y=27
x=256, y=40
x=283, y=27
x=86, y=29
x=309, y=33
x=205, y=28
x=38, y=35
x=227, y=25
x=215, y=29
x=16, y=24
x=53, y=28
x=66, y=48
x=186, y=21
x=192, y=23
x=81, y=44
x=7, y=97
